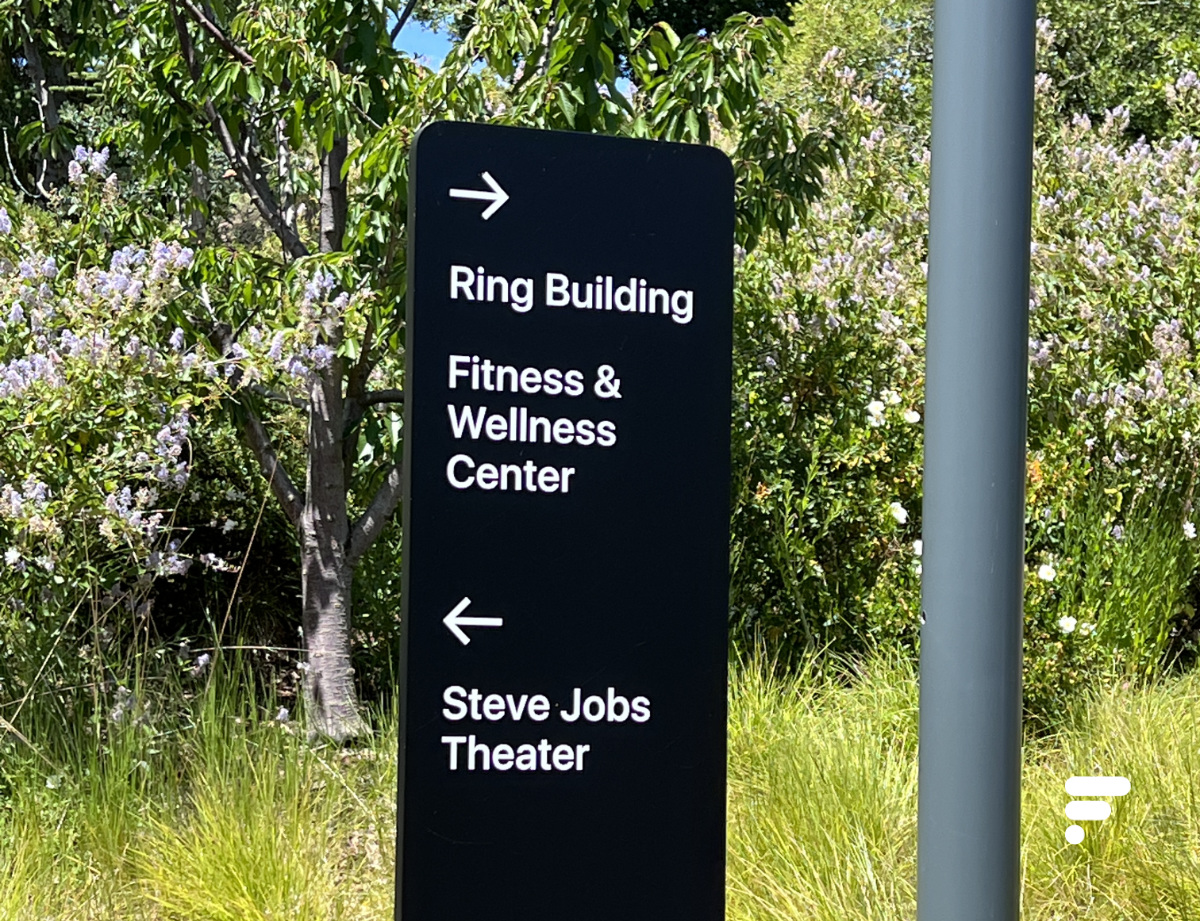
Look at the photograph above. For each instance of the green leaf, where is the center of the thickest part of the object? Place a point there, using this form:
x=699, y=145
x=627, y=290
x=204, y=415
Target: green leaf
x=568, y=105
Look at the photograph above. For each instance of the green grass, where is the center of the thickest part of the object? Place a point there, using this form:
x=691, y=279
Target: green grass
x=215, y=812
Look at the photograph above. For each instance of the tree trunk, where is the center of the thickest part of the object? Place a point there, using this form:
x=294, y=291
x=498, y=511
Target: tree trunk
x=333, y=197
x=287, y=186
x=329, y=546
x=326, y=573
x=47, y=107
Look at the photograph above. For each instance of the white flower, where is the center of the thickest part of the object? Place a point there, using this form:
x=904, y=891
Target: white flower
x=1046, y=573
x=1066, y=624
x=890, y=397
x=875, y=413
x=918, y=547
x=1086, y=628
x=899, y=512
x=911, y=416
x=12, y=556
x=1189, y=530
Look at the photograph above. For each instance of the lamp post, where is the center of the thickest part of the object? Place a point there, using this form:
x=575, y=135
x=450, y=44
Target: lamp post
x=969, y=788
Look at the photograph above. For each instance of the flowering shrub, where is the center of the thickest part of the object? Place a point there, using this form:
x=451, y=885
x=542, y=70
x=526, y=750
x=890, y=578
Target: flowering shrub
x=827, y=396
x=97, y=396
x=829, y=378
x=111, y=357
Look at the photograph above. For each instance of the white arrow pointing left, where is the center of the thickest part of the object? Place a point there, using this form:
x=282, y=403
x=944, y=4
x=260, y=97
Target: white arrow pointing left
x=497, y=196
x=455, y=622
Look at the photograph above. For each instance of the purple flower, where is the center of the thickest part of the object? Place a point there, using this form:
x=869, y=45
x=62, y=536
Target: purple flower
x=5, y=222
x=322, y=355
x=13, y=498
x=119, y=503
x=34, y=490
x=201, y=664
x=177, y=339
x=175, y=565
x=321, y=283
x=98, y=162
x=74, y=172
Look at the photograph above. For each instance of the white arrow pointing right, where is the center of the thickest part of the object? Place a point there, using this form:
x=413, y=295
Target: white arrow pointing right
x=455, y=623
x=497, y=196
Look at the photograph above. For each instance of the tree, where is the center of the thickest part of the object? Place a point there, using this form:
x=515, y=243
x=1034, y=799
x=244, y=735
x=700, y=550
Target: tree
x=687, y=17
x=307, y=103
x=37, y=43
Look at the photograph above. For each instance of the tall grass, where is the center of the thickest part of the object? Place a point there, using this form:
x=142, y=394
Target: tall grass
x=222, y=813
x=217, y=811
x=1131, y=588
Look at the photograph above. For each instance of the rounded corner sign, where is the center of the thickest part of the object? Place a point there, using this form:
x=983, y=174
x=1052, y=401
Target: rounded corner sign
x=566, y=528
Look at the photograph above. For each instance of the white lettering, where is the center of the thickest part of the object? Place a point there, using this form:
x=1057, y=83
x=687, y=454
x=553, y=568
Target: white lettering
x=461, y=279
x=681, y=307
x=450, y=474
x=456, y=708
x=527, y=477
x=556, y=290
x=455, y=371
x=453, y=742
x=464, y=421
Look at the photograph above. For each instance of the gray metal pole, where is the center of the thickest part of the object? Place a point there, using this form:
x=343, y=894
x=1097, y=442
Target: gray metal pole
x=969, y=814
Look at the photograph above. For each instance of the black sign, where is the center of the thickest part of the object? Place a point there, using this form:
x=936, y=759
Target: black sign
x=566, y=529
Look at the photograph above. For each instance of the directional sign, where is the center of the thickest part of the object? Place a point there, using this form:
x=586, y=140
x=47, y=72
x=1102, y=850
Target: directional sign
x=497, y=196
x=454, y=621
x=566, y=519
